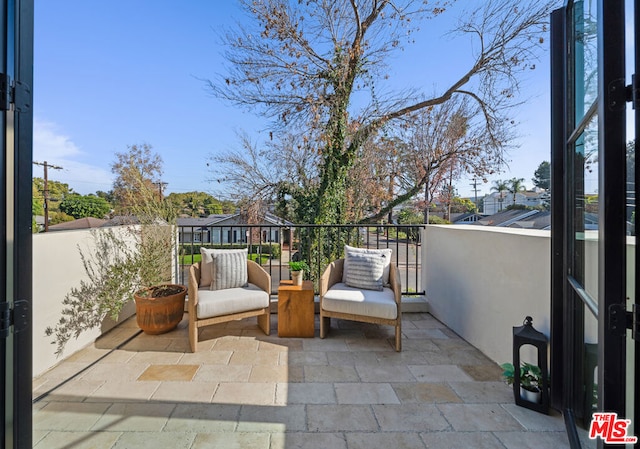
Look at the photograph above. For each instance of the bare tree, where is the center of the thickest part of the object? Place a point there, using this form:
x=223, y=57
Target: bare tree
x=255, y=177
x=442, y=143
x=302, y=62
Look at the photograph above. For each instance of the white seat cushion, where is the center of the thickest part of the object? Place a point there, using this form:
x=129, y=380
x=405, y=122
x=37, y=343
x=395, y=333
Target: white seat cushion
x=213, y=303
x=344, y=299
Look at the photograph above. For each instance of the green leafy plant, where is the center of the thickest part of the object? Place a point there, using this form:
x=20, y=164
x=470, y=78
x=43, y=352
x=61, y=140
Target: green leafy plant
x=300, y=265
x=530, y=376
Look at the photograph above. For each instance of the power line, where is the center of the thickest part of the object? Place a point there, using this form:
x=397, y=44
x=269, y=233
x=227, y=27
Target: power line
x=46, y=190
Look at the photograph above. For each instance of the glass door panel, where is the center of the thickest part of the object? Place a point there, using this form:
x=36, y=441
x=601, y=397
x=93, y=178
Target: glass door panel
x=584, y=272
x=585, y=19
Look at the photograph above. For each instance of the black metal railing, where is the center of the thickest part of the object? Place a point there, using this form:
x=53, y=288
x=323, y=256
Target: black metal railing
x=273, y=246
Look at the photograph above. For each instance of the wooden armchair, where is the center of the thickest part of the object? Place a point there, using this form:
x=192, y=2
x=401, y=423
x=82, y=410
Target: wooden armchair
x=337, y=300
x=207, y=307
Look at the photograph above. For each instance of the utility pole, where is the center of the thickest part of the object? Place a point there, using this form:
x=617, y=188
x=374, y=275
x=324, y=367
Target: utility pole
x=161, y=185
x=475, y=191
x=46, y=191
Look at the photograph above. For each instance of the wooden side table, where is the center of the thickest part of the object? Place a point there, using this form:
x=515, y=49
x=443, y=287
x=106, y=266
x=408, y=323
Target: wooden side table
x=296, y=309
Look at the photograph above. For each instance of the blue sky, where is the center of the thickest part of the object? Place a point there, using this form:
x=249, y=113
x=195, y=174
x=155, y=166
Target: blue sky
x=108, y=74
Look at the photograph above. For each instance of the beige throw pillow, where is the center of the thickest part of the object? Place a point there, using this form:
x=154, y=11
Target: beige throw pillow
x=229, y=269
x=206, y=267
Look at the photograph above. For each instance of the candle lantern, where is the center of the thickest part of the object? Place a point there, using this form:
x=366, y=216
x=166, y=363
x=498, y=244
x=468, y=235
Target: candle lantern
x=530, y=382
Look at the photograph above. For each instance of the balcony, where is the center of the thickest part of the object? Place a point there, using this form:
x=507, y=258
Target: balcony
x=121, y=388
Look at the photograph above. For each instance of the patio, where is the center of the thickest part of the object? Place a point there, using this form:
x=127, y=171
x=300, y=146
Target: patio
x=246, y=390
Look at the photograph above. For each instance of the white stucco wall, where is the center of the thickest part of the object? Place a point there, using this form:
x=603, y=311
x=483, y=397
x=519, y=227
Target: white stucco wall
x=57, y=268
x=481, y=282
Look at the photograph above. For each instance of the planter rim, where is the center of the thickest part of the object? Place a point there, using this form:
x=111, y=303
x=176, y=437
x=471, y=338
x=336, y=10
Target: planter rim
x=137, y=294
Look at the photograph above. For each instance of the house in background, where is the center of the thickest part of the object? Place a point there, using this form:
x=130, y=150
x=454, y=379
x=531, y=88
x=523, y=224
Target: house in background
x=498, y=201
x=232, y=228
x=466, y=218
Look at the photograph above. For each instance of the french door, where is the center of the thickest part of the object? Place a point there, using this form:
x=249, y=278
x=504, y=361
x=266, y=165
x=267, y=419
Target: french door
x=594, y=186
x=16, y=123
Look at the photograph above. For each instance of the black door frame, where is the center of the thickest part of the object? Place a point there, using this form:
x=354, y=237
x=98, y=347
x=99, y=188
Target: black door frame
x=16, y=131
x=568, y=301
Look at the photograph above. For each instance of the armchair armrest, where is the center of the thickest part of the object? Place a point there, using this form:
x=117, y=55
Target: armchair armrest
x=331, y=276
x=396, y=284
x=258, y=276
x=194, y=280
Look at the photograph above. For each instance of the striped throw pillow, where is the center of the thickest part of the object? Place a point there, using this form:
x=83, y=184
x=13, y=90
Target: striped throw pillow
x=229, y=269
x=364, y=271
x=385, y=253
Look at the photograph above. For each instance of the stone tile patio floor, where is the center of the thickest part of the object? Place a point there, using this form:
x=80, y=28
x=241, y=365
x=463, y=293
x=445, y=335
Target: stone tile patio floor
x=243, y=389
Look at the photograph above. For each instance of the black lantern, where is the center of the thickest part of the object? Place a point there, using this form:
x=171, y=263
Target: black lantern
x=525, y=396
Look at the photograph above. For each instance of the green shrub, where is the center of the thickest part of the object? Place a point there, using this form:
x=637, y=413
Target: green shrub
x=434, y=219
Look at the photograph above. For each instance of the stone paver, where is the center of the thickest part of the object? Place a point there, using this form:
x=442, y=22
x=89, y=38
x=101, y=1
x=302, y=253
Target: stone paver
x=243, y=389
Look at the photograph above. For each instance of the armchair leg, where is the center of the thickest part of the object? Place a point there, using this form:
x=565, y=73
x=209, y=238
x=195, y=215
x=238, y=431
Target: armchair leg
x=264, y=321
x=193, y=335
x=398, y=338
x=325, y=325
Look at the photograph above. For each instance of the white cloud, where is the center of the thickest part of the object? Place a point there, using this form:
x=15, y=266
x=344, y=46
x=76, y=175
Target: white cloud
x=52, y=146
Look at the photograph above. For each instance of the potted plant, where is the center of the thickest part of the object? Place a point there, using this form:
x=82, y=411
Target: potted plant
x=160, y=308
x=159, y=303
x=297, y=268
x=530, y=380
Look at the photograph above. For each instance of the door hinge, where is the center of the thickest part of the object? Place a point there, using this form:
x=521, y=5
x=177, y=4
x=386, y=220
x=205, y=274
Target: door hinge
x=14, y=93
x=620, y=319
x=632, y=93
x=16, y=317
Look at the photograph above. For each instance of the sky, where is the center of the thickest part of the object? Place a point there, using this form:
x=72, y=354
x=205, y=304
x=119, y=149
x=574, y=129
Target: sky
x=113, y=73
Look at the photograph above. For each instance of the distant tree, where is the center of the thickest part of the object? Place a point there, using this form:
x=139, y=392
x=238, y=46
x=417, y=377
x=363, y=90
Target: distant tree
x=37, y=200
x=500, y=186
x=58, y=191
x=462, y=205
x=516, y=185
x=195, y=204
x=409, y=216
x=79, y=206
x=542, y=176
x=138, y=172
x=56, y=217
x=108, y=196
x=303, y=64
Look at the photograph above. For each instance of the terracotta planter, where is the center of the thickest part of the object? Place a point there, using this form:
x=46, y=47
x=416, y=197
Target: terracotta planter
x=296, y=277
x=159, y=314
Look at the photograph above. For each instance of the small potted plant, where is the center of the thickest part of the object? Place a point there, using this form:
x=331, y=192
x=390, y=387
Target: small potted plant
x=530, y=380
x=297, y=271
